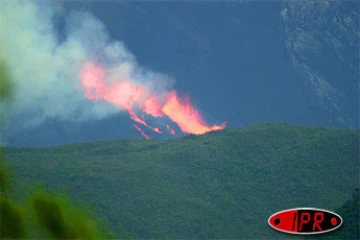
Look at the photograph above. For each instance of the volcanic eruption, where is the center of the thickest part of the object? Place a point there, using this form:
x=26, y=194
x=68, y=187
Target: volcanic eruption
x=129, y=95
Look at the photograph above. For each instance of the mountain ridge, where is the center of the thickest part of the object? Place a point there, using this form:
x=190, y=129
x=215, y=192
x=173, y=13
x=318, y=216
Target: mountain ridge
x=223, y=184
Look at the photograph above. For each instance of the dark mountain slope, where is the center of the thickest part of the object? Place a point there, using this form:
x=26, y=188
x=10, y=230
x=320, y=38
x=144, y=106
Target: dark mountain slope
x=223, y=184
x=350, y=213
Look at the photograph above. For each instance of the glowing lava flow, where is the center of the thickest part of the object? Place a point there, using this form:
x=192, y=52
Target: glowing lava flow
x=126, y=95
x=141, y=131
x=172, y=131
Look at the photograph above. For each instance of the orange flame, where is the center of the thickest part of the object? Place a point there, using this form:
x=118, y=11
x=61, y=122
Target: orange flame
x=141, y=131
x=172, y=131
x=126, y=94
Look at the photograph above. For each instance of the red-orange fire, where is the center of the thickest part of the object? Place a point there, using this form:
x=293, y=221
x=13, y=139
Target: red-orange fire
x=126, y=95
x=172, y=131
x=141, y=131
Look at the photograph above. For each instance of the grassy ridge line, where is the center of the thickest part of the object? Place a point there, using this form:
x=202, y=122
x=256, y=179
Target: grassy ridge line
x=220, y=185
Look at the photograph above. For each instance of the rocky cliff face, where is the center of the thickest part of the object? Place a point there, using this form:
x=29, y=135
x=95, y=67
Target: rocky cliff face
x=323, y=42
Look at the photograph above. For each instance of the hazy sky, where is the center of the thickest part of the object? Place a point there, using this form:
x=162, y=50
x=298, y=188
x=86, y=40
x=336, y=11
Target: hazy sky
x=232, y=59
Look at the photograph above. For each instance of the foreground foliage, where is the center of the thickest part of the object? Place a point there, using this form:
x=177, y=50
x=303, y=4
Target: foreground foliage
x=39, y=215
x=43, y=215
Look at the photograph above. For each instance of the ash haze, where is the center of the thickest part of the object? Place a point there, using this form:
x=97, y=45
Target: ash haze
x=240, y=62
x=47, y=71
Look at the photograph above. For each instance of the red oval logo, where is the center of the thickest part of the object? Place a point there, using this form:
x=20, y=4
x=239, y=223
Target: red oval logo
x=305, y=221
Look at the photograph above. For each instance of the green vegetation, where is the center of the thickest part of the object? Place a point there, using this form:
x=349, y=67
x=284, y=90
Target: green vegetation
x=43, y=215
x=351, y=215
x=62, y=219
x=40, y=215
x=222, y=184
x=12, y=225
x=5, y=81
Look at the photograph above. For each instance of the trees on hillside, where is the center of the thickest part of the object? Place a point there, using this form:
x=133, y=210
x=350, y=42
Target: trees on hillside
x=41, y=215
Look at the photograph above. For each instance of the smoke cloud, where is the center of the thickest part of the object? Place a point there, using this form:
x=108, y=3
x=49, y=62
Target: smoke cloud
x=84, y=75
x=46, y=70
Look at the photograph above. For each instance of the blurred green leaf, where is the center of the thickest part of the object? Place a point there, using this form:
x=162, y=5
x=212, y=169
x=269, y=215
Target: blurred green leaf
x=6, y=88
x=11, y=220
x=64, y=220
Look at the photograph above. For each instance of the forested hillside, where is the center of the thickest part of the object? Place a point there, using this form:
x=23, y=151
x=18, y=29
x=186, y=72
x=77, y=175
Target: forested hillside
x=223, y=184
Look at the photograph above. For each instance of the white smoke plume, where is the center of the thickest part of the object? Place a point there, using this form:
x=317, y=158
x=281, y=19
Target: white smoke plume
x=47, y=71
